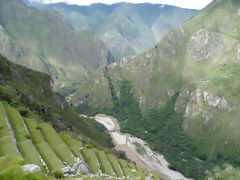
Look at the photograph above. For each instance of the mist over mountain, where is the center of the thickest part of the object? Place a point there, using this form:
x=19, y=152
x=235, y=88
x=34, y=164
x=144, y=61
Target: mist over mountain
x=127, y=29
x=44, y=41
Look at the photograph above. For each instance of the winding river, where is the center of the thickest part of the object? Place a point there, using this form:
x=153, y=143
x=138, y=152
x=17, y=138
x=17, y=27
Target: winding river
x=131, y=145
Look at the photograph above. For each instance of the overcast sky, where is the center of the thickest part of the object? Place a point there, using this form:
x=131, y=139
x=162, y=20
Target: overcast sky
x=192, y=4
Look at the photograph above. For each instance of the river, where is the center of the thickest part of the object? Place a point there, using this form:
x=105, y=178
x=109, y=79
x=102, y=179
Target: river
x=147, y=158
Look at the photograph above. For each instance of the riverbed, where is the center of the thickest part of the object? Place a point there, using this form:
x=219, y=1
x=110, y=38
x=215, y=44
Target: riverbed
x=147, y=158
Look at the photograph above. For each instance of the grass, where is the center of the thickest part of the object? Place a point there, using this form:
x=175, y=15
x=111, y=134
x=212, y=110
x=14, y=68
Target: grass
x=25, y=146
x=140, y=149
x=73, y=144
x=7, y=147
x=29, y=152
x=131, y=166
x=155, y=175
x=127, y=171
x=91, y=158
x=16, y=123
x=10, y=168
x=115, y=165
x=48, y=155
x=104, y=163
x=4, y=130
x=56, y=143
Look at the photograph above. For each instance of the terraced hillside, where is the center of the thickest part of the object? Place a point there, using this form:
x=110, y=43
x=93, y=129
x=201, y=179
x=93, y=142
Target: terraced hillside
x=37, y=142
x=31, y=93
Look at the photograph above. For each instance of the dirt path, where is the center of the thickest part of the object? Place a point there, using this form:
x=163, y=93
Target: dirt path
x=149, y=159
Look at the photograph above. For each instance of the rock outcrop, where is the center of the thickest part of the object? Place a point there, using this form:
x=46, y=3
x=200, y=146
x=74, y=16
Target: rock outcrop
x=81, y=167
x=31, y=168
x=203, y=44
x=200, y=100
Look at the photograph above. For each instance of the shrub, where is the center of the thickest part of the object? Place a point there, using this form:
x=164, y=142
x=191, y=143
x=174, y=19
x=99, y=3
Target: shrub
x=89, y=146
x=58, y=174
x=23, y=111
x=27, y=135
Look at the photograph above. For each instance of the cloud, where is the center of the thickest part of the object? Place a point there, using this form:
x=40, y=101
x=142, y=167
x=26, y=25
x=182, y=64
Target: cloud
x=192, y=4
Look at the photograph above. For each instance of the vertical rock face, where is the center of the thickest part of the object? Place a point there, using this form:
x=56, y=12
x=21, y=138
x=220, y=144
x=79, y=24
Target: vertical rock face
x=198, y=99
x=8, y=48
x=203, y=44
x=60, y=100
x=182, y=100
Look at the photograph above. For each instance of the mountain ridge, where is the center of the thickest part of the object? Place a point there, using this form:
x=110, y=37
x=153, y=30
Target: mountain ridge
x=125, y=28
x=46, y=42
x=187, y=82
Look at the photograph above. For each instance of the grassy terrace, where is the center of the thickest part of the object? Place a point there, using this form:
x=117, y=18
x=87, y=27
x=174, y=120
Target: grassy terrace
x=7, y=147
x=73, y=144
x=115, y=165
x=55, y=148
x=48, y=155
x=91, y=158
x=125, y=168
x=24, y=144
x=56, y=143
x=104, y=163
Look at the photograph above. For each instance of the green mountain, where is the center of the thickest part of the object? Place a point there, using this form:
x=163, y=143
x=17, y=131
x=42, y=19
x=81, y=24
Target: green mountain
x=184, y=91
x=29, y=109
x=127, y=29
x=44, y=41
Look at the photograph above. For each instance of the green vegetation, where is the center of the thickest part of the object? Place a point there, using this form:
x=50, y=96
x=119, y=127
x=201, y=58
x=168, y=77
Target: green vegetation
x=56, y=143
x=91, y=158
x=197, y=128
x=74, y=145
x=42, y=139
x=30, y=92
x=25, y=146
x=86, y=126
x=140, y=149
x=227, y=172
x=10, y=168
x=46, y=152
x=39, y=132
x=104, y=163
x=115, y=165
x=40, y=39
x=127, y=171
x=164, y=129
x=7, y=147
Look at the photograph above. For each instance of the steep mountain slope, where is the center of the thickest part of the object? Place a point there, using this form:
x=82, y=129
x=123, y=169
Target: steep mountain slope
x=48, y=43
x=183, y=92
x=127, y=29
x=80, y=149
x=31, y=92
